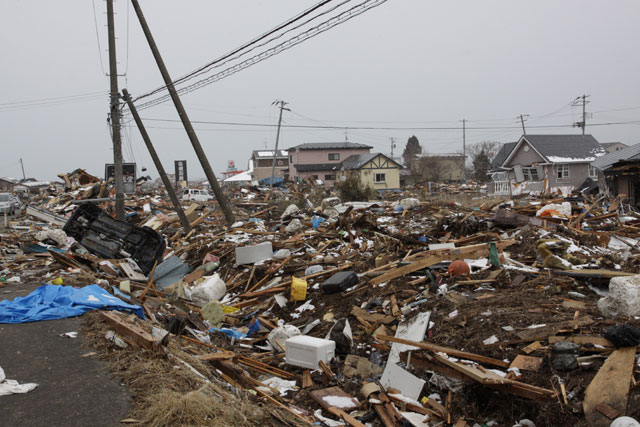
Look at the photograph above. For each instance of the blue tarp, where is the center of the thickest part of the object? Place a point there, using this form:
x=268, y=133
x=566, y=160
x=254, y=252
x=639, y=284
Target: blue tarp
x=58, y=302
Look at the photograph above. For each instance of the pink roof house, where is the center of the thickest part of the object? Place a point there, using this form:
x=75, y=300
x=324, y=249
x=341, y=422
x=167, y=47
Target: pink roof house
x=319, y=160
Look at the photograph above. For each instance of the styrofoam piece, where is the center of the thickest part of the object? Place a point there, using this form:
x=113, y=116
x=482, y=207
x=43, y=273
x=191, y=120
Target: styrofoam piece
x=306, y=351
x=253, y=254
x=623, y=298
x=403, y=380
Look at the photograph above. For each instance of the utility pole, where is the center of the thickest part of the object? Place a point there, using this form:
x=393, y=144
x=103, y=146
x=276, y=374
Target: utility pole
x=275, y=153
x=195, y=142
x=581, y=100
x=464, y=149
x=522, y=120
x=114, y=113
x=393, y=145
x=156, y=160
x=22, y=165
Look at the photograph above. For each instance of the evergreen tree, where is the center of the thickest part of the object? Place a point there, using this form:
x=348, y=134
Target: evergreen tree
x=481, y=164
x=411, y=150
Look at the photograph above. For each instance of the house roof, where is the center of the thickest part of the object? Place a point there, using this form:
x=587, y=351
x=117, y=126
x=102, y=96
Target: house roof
x=316, y=167
x=627, y=153
x=268, y=154
x=356, y=161
x=562, y=148
x=502, y=154
x=330, y=146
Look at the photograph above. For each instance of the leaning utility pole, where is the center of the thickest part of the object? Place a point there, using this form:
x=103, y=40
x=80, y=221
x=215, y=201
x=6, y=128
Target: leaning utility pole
x=522, y=116
x=464, y=149
x=22, y=165
x=156, y=160
x=222, y=200
x=275, y=153
x=114, y=109
x=581, y=100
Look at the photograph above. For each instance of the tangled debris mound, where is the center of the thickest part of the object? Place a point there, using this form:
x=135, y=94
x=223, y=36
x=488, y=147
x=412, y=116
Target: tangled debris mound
x=312, y=310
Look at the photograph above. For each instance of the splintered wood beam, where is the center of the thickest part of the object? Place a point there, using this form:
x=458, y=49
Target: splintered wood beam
x=610, y=386
x=133, y=334
x=450, y=351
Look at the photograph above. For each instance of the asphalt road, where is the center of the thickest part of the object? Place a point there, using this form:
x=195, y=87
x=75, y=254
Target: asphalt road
x=72, y=390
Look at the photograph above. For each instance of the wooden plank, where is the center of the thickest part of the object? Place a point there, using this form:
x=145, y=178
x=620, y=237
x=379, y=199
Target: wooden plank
x=526, y=363
x=532, y=347
x=372, y=317
x=447, y=350
x=215, y=356
x=608, y=411
x=326, y=393
x=346, y=417
x=133, y=334
x=434, y=257
x=610, y=386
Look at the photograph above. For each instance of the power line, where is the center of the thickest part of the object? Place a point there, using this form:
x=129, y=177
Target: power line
x=47, y=102
x=330, y=127
x=295, y=40
x=238, y=49
x=95, y=21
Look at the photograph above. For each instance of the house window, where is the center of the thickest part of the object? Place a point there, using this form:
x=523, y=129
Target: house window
x=329, y=177
x=380, y=177
x=530, y=174
x=593, y=173
x=563, y=172
x=291, y=158
x=334, y=156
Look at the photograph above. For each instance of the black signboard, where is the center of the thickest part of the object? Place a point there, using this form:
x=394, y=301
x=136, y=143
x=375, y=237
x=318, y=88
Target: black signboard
x=181, y=170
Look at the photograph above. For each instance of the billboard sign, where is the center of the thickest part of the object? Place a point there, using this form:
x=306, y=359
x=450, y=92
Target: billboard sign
x=181, y=170
x=129, y=176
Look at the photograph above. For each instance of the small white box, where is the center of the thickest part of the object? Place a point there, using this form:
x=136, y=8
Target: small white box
x=306, y=351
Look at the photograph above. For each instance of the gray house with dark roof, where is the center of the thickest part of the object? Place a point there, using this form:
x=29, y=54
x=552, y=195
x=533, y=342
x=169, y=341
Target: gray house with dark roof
x=545, y=163
x=318, y=160
x=620, y=173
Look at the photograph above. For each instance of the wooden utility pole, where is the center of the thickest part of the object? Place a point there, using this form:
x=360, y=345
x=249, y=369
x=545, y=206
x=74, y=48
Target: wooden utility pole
x=275, y=153
x=522, y=116
x=464, y=149
x=114, y=109
x=222, y=200
x=22, y=165
x=582, y=100
x=156, y=160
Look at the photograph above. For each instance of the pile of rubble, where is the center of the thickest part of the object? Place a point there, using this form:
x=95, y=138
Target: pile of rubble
x=392, y=312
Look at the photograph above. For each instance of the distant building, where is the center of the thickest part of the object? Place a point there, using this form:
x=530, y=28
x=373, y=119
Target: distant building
x=263, y=161
x=438, y=167
x=613, y=146
x=319, y=160
x=374, y=170
x=7, y=184
x=621, y=173
x=545, y=163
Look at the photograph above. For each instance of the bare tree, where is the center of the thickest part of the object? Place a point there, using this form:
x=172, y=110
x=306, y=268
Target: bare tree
x=431, y=168
x=490, y=149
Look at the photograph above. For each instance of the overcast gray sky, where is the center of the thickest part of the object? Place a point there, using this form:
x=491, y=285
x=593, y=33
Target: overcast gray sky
x=407, y=63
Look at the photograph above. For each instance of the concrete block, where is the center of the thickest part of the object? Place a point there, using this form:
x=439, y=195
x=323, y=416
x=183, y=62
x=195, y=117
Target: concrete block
x=253, y=254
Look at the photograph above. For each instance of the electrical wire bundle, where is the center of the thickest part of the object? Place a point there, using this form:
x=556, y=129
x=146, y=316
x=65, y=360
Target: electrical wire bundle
x=307, y=24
